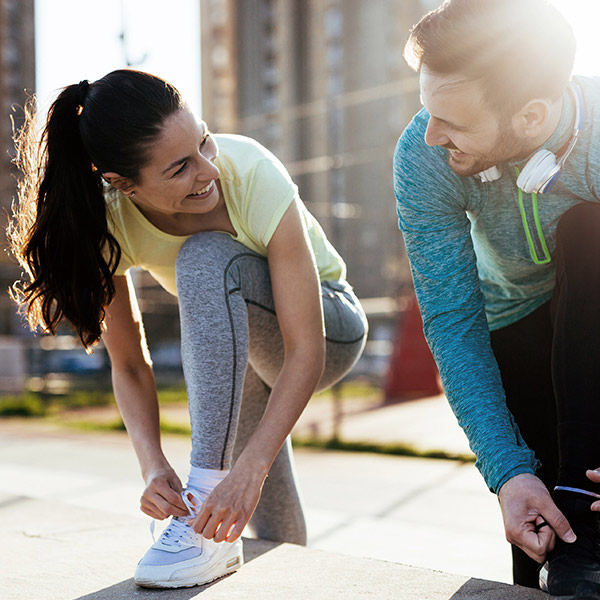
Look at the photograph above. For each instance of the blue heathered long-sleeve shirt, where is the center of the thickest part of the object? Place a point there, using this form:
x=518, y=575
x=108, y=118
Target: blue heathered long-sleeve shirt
x=473, y=272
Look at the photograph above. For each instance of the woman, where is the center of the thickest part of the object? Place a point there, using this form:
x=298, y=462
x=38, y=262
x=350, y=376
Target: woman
x=127, y=177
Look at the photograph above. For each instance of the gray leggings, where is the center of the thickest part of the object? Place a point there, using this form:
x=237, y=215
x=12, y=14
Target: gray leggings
x=232, y=352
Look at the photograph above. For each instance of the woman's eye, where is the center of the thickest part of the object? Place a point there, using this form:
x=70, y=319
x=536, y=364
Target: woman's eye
x=180, y=170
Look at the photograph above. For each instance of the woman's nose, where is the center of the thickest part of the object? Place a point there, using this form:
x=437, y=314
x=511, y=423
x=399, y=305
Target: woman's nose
x=207, y=168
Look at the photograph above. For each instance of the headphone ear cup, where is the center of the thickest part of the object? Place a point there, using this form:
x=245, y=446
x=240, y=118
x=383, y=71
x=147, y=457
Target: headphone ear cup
x=539, y=169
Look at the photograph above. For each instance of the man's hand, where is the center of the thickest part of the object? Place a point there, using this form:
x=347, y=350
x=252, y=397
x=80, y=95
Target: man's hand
x=526, y=504
x=595, y=477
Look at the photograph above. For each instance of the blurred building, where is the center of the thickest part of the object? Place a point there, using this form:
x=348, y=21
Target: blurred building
x=17, y=81
x=322, y=83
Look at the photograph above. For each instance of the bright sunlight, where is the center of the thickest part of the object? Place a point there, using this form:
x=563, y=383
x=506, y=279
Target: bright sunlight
x=584, y=16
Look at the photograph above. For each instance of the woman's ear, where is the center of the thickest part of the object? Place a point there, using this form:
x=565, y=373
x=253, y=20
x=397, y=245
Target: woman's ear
x=123, y=184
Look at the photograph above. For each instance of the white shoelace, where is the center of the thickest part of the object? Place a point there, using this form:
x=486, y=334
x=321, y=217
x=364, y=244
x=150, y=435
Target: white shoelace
x=178, y=532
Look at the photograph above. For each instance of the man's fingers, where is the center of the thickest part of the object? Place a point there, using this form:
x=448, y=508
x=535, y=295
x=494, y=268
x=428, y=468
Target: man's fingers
x=593, y=475
x=535, y=545
x=559, y=523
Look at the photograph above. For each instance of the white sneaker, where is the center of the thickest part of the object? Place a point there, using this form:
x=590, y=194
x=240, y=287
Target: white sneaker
x=183, y=558
x=543, y=577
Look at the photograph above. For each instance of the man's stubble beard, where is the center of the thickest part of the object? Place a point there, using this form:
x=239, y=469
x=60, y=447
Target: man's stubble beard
x=506, y=147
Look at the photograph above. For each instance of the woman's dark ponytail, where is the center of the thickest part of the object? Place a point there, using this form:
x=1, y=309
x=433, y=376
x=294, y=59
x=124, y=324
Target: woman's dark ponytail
x=59, y=232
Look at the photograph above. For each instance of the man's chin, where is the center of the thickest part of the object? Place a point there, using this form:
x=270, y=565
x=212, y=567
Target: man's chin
x=467, y=168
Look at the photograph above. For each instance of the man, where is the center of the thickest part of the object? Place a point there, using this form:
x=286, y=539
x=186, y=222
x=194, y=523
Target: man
x=508, y=280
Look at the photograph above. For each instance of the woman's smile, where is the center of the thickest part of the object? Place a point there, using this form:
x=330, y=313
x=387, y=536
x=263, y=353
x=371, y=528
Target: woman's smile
x=204, y=192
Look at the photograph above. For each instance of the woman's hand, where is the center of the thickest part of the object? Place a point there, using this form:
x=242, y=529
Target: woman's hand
x=228, y=508
x=162, y=496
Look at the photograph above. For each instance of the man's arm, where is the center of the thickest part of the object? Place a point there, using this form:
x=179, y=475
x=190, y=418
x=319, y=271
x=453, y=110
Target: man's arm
x=432, y=205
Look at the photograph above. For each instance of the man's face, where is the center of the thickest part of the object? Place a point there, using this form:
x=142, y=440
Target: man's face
x=475, y=136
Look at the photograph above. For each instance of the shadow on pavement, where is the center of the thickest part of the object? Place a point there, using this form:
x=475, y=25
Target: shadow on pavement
x=479, y=589
x=12, y=500
x=254, y=548
x=127, y=589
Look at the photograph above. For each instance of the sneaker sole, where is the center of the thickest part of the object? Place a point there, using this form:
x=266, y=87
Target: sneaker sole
x=228, y=564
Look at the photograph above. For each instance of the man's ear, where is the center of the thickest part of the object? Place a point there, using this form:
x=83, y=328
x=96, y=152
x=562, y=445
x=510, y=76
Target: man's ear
x=123, y=184
x=532, y=118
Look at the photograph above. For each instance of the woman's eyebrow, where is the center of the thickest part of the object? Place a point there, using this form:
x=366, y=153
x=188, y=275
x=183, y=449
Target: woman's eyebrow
x=176, y=163
x=180, y=161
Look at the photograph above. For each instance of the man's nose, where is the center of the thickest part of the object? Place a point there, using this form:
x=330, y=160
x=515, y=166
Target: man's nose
x=435, y=135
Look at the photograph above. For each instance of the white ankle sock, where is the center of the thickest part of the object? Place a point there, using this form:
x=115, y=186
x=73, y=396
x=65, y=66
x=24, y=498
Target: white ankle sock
x=205, y=480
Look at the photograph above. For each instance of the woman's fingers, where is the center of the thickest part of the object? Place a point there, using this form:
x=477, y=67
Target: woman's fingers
x=161, y=500
x=164, y=490
x=236, y=531
x=212, y=525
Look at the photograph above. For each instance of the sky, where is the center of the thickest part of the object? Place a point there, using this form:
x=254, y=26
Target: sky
x=584, y=16
x=80, y=39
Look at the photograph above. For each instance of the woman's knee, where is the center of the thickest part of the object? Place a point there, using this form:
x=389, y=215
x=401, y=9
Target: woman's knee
x=202, y=259
x=205, y=244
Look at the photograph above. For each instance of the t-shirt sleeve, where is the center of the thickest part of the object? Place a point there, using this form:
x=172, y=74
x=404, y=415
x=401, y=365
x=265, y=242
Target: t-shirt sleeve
x=433, y=219
x=269, y=194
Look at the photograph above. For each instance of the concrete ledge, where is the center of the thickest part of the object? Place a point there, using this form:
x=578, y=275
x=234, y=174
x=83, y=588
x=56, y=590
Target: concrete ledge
x=52, y=551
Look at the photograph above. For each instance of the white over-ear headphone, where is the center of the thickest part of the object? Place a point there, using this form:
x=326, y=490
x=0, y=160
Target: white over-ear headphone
x=544, y=168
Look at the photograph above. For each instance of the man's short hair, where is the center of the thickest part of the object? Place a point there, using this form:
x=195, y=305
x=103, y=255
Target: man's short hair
x=518, y=49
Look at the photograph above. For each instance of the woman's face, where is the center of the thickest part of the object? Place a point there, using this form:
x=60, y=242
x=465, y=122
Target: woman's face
x=181, y=175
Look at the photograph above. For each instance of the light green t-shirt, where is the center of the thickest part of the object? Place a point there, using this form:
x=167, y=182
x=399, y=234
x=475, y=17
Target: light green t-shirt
x=257, y=191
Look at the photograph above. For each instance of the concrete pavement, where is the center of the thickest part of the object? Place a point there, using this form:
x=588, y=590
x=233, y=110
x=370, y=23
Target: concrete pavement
x=69, y=504
x=68, y=552
x=426, y=425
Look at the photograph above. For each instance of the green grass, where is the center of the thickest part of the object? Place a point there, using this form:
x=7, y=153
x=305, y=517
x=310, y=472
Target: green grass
x=26, y=405
x=34, y=404
x=118, y=425
x=333, y=444
x=383, y=448
x=352, y=390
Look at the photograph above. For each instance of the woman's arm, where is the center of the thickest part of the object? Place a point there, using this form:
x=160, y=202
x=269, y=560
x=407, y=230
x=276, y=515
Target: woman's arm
x=297, y=297
x=135, y=394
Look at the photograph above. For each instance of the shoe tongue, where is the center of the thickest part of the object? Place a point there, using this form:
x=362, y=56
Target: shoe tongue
x=176, y=537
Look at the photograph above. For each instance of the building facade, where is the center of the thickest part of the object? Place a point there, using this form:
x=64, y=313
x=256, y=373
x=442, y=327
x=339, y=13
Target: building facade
x=17, y=82
x=322, y=84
